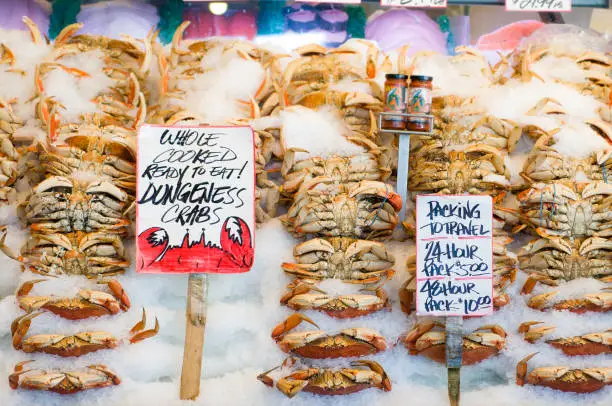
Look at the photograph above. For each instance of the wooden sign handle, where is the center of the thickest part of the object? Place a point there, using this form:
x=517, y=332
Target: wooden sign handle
x=197, y=298
x=454, y=357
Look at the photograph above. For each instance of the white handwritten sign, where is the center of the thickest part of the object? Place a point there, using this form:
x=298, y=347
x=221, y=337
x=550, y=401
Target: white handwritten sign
x=414, y=3
x=454, y=255
x=195, y=209
x=538, y=5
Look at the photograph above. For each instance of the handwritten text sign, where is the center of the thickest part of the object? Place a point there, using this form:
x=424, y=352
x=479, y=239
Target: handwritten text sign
x=414, y=3
x=539, y=5
x=454, y=255
x=195, y=205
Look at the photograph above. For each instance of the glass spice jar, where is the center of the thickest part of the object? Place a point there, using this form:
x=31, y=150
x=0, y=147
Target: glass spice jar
x=419, y=103
x=395, y=101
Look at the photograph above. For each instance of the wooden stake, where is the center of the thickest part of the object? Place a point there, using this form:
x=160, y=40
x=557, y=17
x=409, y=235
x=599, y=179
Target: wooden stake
x=454, y=357
x=197, y=298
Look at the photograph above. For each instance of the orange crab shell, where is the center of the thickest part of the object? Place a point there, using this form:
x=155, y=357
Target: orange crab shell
x=317, y=344
x=78, y=308
x=580, y=349
x=580, y=306
x=586, y=385
x=471, y=356
x=432, y=344
x=563, y=378
x=357, y=349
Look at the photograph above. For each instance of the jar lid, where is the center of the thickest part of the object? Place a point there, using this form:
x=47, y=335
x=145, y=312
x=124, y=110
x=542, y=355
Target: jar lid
x=421, y=78
x=396, y=76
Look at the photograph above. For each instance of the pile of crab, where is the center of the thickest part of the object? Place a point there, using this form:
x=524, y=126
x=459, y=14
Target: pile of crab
x=16, y=106
x=340, y=204
x=89, y=103
x=565, y=204
x=465, y=153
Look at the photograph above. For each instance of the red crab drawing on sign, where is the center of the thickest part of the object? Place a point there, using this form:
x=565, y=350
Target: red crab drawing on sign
x=235, y=254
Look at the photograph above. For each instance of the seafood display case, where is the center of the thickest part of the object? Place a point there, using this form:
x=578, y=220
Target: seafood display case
x=356, y=109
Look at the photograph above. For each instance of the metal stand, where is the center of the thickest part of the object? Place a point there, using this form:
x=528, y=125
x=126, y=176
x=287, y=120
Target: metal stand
x=454, y=325
x=404, y=152
x=454, y=357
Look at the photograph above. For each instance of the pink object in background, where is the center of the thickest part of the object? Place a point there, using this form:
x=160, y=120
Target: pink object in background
x=204, y=24
x=243, y=24
x=509, y=36
x=116, y=18
x=12, y=12
x=397, y=27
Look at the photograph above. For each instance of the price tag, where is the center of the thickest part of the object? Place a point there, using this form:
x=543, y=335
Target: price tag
x=414, y=3
x=539, y=5
x=454, y=255
x=195, y=208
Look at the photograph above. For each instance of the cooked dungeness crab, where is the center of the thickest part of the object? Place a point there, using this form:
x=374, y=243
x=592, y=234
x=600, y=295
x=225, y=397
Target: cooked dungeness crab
x=63, y=382
x=590, y=302
x=316, y=63
x=477, y=169
x=586, y=344
x=563, y=378
x=121, y=56
x=460, y=121
x=367, y=210
x=568, y=209
x=552, y=259
x=326, y=381
x=595, y=68
x=343, y=258
x=59, y=204
x=358, y=110
x=9, y=156
x=106, y=155
x=333, y=169
x=74, y=345
x=546, y=164
x=305, y=295
x=88, y=303
x=78, y=253
x=350, y=342
x=429, y=339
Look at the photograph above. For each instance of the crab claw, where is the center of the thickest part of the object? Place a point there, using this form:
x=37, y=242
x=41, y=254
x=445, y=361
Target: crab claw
x=290, y=323
x=368, y=335
x=118, y=291
x=291, y=387
x=137, y=332
x=66, y=33
x=298, y=290
x=417, y=331
x=532, y=281
x=20, y=327
x=5, y=248
x=35, y=34
x=116, y=380
x=541, y=301
x=521, y=369
x=17, y=371
x=26, y=287
x=532, y=335
x=263, y=377
x=376, y=367
x=178, y=37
